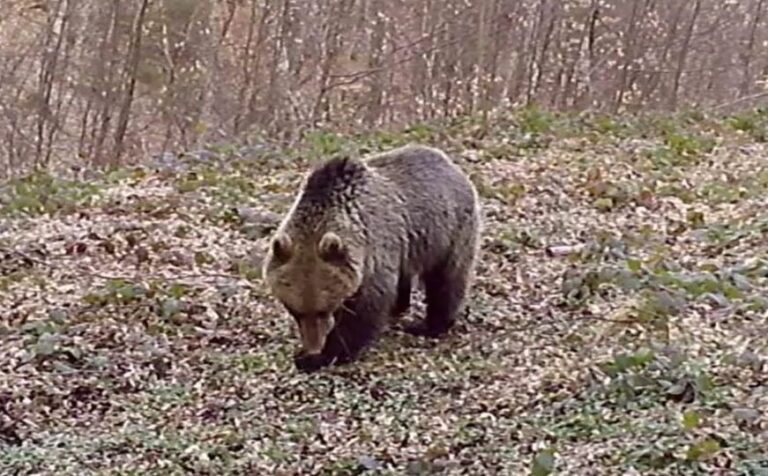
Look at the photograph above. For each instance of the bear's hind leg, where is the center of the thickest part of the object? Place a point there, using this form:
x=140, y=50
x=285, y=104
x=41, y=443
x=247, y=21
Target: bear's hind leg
x=446, y=290
x=403, y=301
x=447, y=285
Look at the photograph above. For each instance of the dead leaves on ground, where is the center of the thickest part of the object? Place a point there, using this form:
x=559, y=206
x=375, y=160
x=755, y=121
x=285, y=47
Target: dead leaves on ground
x=618, y=321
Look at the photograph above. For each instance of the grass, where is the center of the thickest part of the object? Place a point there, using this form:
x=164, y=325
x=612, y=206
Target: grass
x=40, y=193
x=137, y=337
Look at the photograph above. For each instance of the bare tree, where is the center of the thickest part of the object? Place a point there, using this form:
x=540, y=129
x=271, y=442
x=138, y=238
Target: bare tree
x=748, y=53
x=684, y=50
x=103, y=81
x=130, y=74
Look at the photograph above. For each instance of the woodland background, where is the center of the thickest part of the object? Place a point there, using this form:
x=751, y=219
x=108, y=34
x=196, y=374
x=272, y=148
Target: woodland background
x=99, y=82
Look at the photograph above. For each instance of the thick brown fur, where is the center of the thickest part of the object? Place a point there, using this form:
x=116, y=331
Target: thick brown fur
x=344, y=258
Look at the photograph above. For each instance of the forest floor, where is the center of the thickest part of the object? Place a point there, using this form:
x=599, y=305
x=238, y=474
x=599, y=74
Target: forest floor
x=618, y=323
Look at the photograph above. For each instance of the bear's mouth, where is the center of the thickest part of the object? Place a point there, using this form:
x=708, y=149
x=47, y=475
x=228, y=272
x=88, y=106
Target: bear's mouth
x=314, y=330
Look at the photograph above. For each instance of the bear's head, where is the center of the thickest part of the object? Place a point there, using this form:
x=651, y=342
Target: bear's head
x=312, y=276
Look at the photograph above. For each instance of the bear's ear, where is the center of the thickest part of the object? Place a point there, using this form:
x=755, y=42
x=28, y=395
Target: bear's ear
x=331, y=248
x=282, y=247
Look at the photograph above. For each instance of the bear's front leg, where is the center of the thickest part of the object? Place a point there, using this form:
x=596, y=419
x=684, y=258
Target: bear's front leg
x=341, y=347
x=351, y=335
x=308, y=363
x=335, y=351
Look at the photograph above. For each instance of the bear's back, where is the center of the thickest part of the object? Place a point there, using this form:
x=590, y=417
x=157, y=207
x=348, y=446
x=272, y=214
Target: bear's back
x=440, y=201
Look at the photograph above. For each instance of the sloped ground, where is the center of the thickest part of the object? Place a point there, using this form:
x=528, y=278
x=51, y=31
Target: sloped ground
x=618, y=325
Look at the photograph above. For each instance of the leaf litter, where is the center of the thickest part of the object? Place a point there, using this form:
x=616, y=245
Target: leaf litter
x=617, y=326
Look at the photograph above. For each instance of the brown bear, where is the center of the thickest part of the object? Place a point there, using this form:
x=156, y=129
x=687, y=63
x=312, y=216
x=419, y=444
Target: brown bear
x=343, y=259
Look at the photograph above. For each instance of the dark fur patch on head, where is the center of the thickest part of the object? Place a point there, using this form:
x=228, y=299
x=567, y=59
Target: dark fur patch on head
x=334, y=181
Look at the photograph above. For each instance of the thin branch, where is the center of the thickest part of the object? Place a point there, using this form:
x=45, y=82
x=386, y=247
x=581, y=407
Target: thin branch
x=740, y=100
